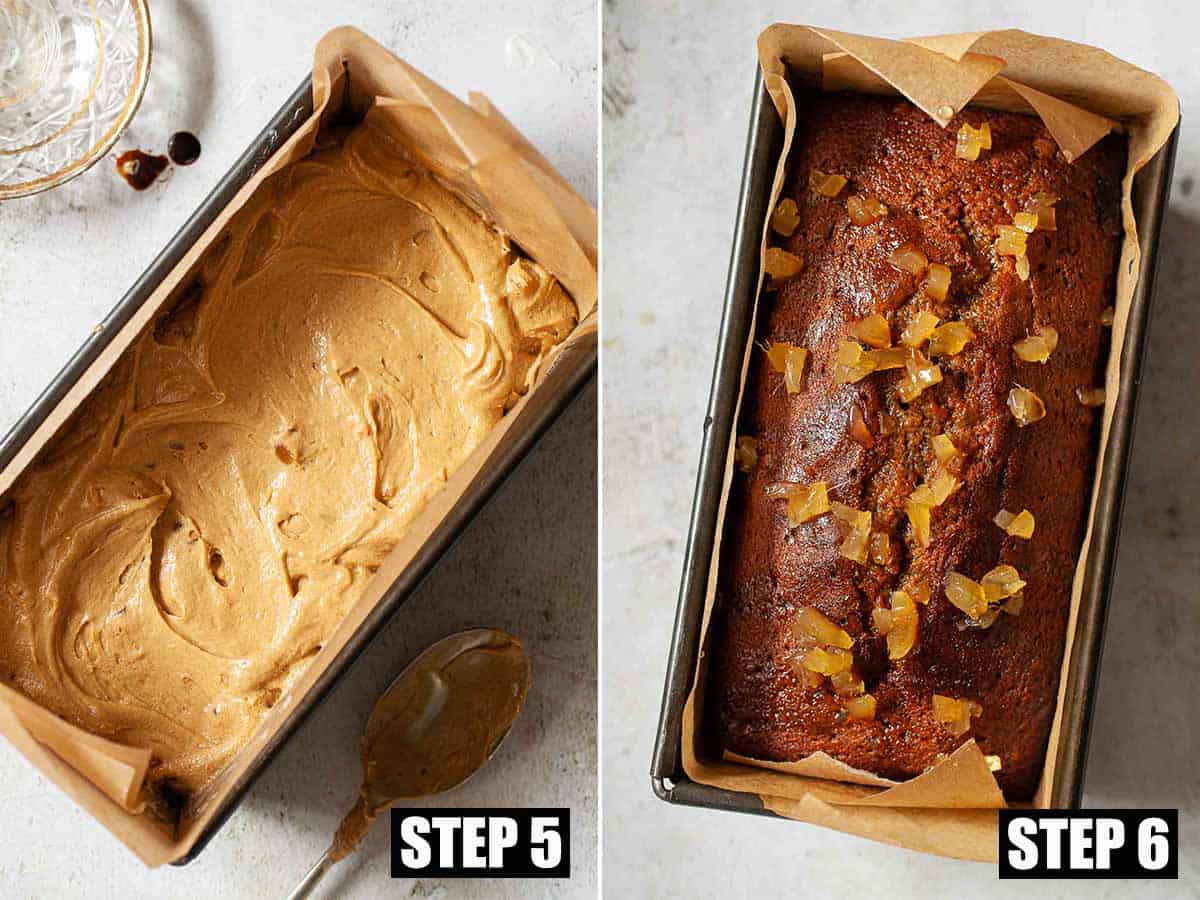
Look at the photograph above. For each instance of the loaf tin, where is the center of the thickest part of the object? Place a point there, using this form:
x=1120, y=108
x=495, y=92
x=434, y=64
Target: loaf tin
x=570, y=380
x=1151, y=188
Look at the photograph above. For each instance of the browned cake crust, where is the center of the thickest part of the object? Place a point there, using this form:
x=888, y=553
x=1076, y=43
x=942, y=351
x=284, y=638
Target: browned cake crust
x=948, y=208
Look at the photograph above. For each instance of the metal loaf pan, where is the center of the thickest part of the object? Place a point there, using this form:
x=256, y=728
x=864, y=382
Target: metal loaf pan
x=1150, y=192
x=569, y=381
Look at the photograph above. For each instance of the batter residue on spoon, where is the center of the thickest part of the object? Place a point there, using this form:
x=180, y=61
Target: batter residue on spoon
x=180, y=552
x=438, y=724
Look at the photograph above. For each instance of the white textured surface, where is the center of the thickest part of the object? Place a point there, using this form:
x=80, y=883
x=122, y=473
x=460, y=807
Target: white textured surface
x=681, y=73
x=528, y=564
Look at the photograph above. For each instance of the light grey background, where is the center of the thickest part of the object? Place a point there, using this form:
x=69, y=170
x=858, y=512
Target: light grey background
x=528, y=564
x=678, y=77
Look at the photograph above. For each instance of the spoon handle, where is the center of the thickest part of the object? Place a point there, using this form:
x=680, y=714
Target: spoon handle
x=309, y=883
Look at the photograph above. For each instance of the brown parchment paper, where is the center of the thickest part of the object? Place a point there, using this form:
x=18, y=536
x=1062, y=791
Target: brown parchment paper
x=485, y=160
x=1081, y=93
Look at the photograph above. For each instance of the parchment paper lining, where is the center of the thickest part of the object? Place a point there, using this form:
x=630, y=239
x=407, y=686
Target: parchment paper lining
x=1081, y=93
x=485, y=160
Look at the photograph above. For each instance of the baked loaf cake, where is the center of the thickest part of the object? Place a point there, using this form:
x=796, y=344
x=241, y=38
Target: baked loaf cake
x=881, y=595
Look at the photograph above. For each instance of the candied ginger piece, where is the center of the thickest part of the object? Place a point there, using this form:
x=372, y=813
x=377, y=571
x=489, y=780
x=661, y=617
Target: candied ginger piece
x=807, y=502
x=786, y=217
x=1019, y=525
x=1037, y=347
x=966, y=593
x=781, y=265
x=861, y=707
x=949, y=338
x=1026, y=406
x=970, y=141
x=919, y=329
x=865, y=210
x=937, y=281
x=872, y=331
x=812, y=627
x=908, y=258
x=852, y=363
x=824, y=184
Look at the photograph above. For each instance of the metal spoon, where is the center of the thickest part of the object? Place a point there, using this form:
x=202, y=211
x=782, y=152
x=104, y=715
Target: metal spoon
x=433, y=728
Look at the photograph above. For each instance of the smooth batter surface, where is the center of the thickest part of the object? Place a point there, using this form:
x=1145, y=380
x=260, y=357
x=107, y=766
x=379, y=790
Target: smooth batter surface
x=174, y=559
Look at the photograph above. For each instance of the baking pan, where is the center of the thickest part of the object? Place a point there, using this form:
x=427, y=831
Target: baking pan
x=568, y=381
x=1151, y=188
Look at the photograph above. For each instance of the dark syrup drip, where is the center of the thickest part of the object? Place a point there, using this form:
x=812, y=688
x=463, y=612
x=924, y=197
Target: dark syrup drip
x=183, y=148
x=140, y=169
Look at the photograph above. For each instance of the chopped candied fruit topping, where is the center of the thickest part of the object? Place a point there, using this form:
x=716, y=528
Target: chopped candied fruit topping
x=1042, y=206
x=1022, y=263
x=943, y=448
x=902, y=627
x=1026, y=221
x=865, y=210
x=983, y=600
x=908, y=258
x=788, y=360
x=854, y=547
x=1037, y=347
x=1018, y=525
x=890, y=358
x=793, y=374
x=813, y=628
x=971, y=140
x=937, y=281
x=777, y=352
x=1027, y=407
x=942, y=485
x=923, y=499
x=786, y=217
x=920, y=374
x=993, y=763
x=1108, y=316
x=1010, y=240
x=917, y=509
x=807, y=502
x=823, y=649
x=826, y=185
x=1090, y=396
x=852, y=363
x=966, y=593
x=858, y=430
x=745, y=454
x=949, y=339
x=955, y=715
x=919, y=329
x=861, y=707
x=782, y=265
x=828, y=662
x=872, y=331
x=1000, y=583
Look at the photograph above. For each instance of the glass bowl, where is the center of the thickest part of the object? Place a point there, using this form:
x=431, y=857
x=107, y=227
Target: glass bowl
x=72, y=73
